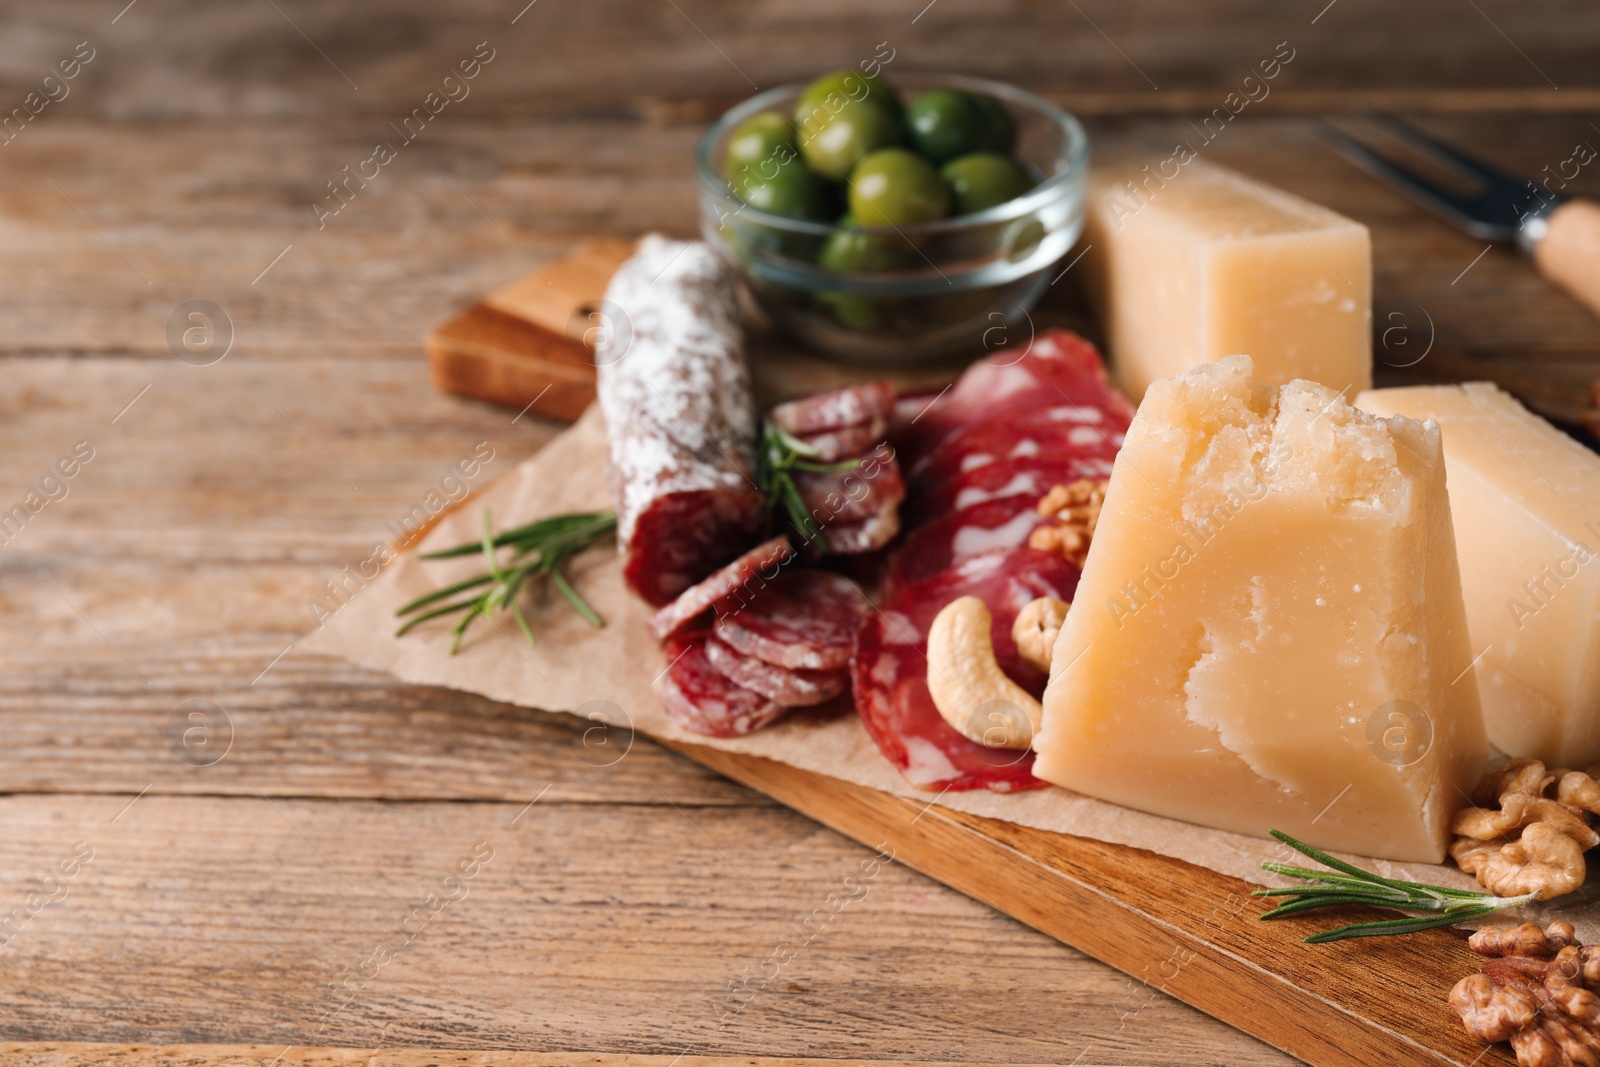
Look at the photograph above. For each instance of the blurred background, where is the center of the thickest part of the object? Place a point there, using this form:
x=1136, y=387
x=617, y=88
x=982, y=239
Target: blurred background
x=235, y=480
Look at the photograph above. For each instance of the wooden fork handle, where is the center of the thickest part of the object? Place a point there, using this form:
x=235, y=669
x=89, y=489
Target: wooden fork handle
x=1569, y=252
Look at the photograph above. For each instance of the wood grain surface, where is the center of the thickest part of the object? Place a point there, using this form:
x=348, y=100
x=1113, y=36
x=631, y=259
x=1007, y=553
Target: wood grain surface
x=624, y=913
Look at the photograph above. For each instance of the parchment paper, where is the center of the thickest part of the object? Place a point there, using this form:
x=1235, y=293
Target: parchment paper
x=608, y=673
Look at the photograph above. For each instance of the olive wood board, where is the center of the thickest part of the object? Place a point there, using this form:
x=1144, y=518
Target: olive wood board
x=1174, y=927
x=530, y=344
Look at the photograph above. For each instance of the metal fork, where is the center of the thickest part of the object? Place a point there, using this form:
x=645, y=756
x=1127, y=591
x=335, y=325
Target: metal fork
x=1562, y=234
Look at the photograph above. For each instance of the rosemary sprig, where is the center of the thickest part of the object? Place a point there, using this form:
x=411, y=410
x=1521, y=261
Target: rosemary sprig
x=540, y=549
x=780, y=455
x=1347, y=884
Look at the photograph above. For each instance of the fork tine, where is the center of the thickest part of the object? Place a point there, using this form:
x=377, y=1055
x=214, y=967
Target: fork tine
x=1387, y=169
x=1444, y=153
x=1468, y=212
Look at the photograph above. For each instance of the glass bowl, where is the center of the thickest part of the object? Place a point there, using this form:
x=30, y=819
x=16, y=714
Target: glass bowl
x=970, y=280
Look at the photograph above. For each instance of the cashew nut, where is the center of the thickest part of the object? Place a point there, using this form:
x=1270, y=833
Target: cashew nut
x=967, y=685
x=1036, y=628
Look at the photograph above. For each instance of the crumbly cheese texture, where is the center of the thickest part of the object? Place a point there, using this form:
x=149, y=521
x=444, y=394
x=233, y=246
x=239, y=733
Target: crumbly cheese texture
x=1526, y=503
x=1210, y=263
x=1269, y=632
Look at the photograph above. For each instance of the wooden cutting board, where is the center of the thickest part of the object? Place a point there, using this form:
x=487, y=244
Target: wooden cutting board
x=530, y=345
x=1174, y=927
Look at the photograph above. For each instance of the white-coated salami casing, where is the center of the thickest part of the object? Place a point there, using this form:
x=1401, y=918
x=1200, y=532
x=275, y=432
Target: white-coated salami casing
x=675, y=391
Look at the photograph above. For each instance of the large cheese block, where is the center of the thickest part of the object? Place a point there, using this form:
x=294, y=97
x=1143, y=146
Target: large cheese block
x=1209, y=263
x=1269, y=632
x=1526, y=502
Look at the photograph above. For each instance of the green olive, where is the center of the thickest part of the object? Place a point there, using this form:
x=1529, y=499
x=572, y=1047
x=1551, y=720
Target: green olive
x=766, y=135
x=855, y=312
x=894, y=187
x=838, y=142
x=983, y=179
x=1000, y=133
x=946, y=123
x=789, y=190
x=829, y=93
x=848, y=249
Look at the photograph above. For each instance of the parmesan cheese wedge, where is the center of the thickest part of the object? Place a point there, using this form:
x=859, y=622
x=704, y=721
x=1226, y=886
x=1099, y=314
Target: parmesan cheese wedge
x=1269, y=632
x=1206, y=262
x=1526, y=503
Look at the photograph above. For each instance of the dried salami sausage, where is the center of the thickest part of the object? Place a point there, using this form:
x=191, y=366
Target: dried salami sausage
x=890, y=670
x=1032, y=475
x=804, y=620
x=996, y=524
x=675, y=391
x=737, y=583
x=847, y=496
x=782, y=685
x=701, y=699
x=1076, y=430
x=1057, y=368
x=847, y=441
x=851, y=405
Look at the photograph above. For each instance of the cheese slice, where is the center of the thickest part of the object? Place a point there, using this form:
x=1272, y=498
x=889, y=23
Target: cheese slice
x=1526, y=502
x=1269, y=632
x=1209, y=263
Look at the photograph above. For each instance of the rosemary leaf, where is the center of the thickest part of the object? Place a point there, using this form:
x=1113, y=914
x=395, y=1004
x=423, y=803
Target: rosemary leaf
x=434, y=614
x=440, y=594
x=539, y=549
x=539, y=531
x=1398, y=926
x=1346, y=884
x=779, y=456
x=580, y=605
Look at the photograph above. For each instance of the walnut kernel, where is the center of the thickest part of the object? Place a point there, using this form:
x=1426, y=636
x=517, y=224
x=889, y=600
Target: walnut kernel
x=1075, y=511
x=1535, y=991
x=1532, y=842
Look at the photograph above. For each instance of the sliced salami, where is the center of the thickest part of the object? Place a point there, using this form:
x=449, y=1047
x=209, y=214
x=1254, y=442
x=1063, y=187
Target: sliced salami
x=858, y=538
x=1011, y=477
x=1048, y=433
x=848, y=496
x=1057, y=368
x=890, y=670
x=847, y=441
x=992, y=525
x=852, y=405
x=803, y=620
x=702, y=700
x=737, y=583
x=782, y=685
x=675, y=391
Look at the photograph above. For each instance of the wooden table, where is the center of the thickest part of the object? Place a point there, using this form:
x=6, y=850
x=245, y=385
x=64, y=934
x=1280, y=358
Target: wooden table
x=254, y=833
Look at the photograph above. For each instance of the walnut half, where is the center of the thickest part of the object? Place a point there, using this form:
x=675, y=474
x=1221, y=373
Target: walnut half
x=1535, y=990
x=1075, y=511
x=1533, y=842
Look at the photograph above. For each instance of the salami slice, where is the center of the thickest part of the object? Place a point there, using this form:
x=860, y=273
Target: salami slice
x=858, y=538
x=1057, y=368
x=803, y=620
x=847, y=441
x=890, y=670
x=849, y=496
x=1011, y=477
x=700, y=699
x=675, y=391
x=992, y=525
x=738, y=582
x=852, y=405
x=1050, y=433
x=790, y=688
